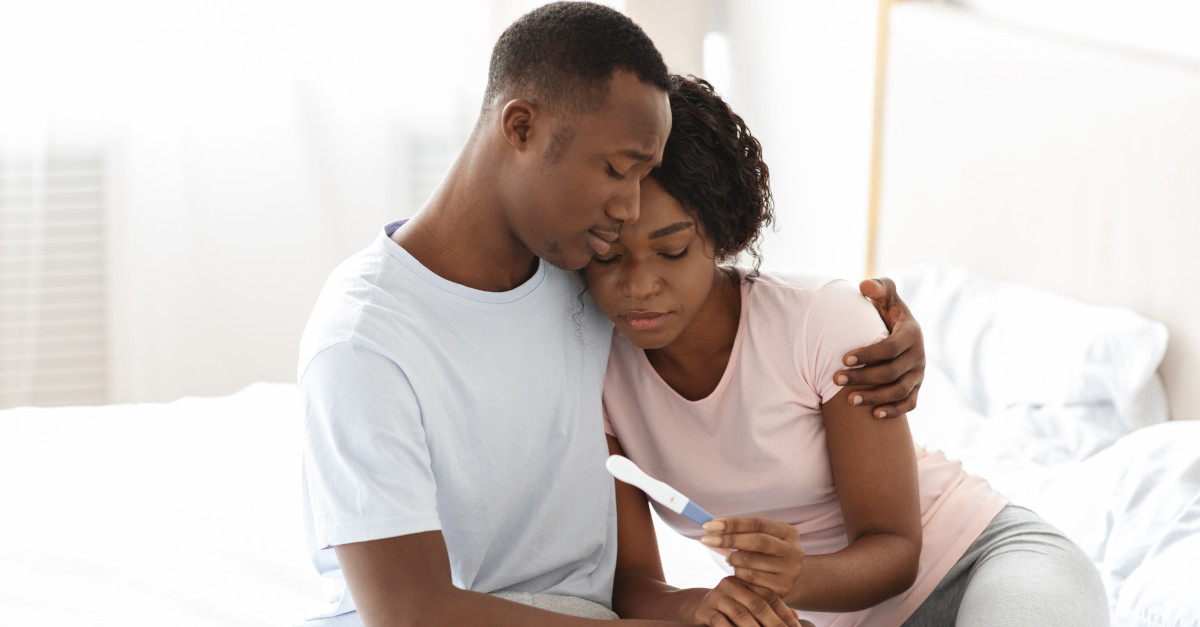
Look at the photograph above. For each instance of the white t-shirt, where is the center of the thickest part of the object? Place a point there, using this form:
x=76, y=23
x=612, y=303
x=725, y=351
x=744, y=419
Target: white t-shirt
x=434, y=406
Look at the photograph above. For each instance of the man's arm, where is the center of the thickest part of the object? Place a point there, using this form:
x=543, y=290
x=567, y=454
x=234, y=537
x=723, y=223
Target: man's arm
x=894, y=367
x=406, y=581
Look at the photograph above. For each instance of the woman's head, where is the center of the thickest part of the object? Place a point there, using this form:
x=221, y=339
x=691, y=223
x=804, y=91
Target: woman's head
x=706, y=204
x=713, y=166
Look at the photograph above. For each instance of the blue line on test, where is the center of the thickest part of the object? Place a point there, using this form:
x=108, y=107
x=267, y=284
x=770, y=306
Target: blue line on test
x=696, y=513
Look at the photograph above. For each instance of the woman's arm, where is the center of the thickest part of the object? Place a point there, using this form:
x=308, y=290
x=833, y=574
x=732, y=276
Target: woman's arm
x=892, y=368
x=875, y=473
x=640, y=589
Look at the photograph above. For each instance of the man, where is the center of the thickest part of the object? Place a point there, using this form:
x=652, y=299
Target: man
x=452, y=372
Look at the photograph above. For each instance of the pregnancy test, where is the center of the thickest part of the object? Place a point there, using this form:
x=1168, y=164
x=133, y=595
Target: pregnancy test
x=624, y=469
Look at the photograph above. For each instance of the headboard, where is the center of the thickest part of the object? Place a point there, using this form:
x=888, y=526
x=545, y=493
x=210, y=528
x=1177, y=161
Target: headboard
x=1049, y=159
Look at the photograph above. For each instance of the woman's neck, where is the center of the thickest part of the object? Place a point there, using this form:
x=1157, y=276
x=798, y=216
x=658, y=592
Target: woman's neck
x=695, y=362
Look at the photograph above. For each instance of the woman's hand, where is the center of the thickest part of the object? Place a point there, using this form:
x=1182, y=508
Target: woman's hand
x=895, y=365
x=766, y=553
x=735, y=603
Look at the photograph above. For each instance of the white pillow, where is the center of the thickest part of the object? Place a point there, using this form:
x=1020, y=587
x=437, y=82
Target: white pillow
x=1009, y=347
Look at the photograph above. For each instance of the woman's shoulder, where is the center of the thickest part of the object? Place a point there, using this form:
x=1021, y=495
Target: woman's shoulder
x=791, y=286
x=810, y=303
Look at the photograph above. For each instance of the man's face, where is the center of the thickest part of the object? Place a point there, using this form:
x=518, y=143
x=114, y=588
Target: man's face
x=576, y=201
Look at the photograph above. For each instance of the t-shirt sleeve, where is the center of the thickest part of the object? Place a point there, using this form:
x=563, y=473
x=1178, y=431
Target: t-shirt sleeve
x=366, y=464
x=608, y=428
x=840, y=320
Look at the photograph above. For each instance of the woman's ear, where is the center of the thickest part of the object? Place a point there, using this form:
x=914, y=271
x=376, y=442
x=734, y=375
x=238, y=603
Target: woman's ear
x=517, y=118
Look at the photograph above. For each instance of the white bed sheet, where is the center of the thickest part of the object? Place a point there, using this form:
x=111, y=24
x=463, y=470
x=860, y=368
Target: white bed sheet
x=187, y=513
x=183, y=514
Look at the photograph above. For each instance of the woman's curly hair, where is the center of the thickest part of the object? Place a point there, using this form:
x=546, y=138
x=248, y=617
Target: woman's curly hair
x=713, y=166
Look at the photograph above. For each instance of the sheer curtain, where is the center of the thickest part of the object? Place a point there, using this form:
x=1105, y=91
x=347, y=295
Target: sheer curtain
x=251, y=145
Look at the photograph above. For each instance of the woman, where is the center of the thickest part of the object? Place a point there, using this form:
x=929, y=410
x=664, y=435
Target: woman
x=720, y=382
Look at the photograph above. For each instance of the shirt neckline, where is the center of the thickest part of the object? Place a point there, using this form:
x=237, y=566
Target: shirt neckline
x=734, y=354
x=397, y=252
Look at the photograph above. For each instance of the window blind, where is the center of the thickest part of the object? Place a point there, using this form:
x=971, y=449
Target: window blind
x=53, y=301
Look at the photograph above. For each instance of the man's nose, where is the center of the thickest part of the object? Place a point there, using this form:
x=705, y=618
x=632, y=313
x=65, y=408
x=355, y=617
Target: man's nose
x=627, y=206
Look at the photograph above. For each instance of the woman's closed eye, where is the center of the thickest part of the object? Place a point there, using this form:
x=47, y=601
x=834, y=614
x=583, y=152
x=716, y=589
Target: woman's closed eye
x=679, y=255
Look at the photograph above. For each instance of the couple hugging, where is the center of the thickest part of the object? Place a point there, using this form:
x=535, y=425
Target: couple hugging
x=571, y=283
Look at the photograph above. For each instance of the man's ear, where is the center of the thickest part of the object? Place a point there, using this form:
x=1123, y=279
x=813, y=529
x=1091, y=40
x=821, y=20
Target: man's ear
x=516, y=121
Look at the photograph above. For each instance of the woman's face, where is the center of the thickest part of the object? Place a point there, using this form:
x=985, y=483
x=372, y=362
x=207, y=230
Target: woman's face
x=658, y=275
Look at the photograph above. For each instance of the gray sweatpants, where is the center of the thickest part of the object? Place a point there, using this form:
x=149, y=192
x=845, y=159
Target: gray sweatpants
x=1020, y=571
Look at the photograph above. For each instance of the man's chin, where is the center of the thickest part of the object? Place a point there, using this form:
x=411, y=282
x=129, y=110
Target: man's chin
x=570, y=261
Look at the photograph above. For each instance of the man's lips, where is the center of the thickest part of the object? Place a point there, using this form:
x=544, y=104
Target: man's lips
x=644, y=320
x=601, y=241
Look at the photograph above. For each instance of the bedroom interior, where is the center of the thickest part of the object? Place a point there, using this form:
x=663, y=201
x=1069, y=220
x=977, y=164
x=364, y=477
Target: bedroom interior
x=1027, y=172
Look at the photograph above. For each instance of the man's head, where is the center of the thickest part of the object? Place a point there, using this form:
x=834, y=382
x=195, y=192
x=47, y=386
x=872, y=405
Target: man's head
x=561, y=56
x=579, y=93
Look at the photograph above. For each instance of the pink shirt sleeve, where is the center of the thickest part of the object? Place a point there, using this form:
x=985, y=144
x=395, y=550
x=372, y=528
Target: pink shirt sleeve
x=840, y=320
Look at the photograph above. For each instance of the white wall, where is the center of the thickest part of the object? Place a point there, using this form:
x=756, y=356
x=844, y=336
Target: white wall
x=259, y=142
x=803, y=77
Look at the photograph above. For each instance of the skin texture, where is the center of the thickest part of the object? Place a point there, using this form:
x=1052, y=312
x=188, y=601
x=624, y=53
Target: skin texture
x=504, y=203
x=660, y=269
x=502, y=206
x=893, y=368
x=662, y=272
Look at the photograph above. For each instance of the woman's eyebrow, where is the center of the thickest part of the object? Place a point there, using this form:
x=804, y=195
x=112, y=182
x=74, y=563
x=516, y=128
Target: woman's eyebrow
x=667, y=230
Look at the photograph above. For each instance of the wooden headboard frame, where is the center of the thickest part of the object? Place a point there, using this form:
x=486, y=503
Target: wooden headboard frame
x=1068, y=165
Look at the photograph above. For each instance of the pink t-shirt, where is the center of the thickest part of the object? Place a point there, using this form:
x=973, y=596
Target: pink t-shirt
x=756, y=445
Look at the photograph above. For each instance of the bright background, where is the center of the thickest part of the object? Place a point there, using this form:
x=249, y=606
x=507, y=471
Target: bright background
x=248, y=146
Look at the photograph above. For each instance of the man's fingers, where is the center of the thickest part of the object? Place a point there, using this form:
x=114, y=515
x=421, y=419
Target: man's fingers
x=902, y=338
x=777, y=603
x=715, y=619
x=879, y=374
x=737, y=604
x=898, y=392
x=783, y=611
x=881, y=290
x=895, y=410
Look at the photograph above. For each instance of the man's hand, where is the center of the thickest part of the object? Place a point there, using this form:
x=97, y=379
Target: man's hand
x=735, y=603
x=895, y=365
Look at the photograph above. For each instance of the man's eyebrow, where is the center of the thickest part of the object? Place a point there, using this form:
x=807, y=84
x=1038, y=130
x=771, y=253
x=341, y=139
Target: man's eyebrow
x=674, y=228
x=638, y=155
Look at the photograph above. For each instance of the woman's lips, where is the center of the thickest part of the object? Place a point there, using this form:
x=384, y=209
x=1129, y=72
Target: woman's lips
x=644, y=320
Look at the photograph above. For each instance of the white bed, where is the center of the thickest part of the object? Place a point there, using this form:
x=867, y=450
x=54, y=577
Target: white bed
x=186, y=513
x=1057, y=304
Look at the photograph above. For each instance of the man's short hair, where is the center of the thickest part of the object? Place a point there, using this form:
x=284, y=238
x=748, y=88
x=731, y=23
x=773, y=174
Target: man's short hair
x=561, y=56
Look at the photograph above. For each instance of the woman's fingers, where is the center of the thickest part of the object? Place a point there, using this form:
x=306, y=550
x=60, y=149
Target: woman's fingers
x=738, y=525
x=766, y=553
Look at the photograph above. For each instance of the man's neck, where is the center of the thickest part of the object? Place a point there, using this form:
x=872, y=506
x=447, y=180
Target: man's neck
x=461, y=234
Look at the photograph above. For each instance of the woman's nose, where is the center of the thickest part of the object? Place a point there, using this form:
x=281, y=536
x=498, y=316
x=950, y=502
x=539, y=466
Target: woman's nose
x=639, y=284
